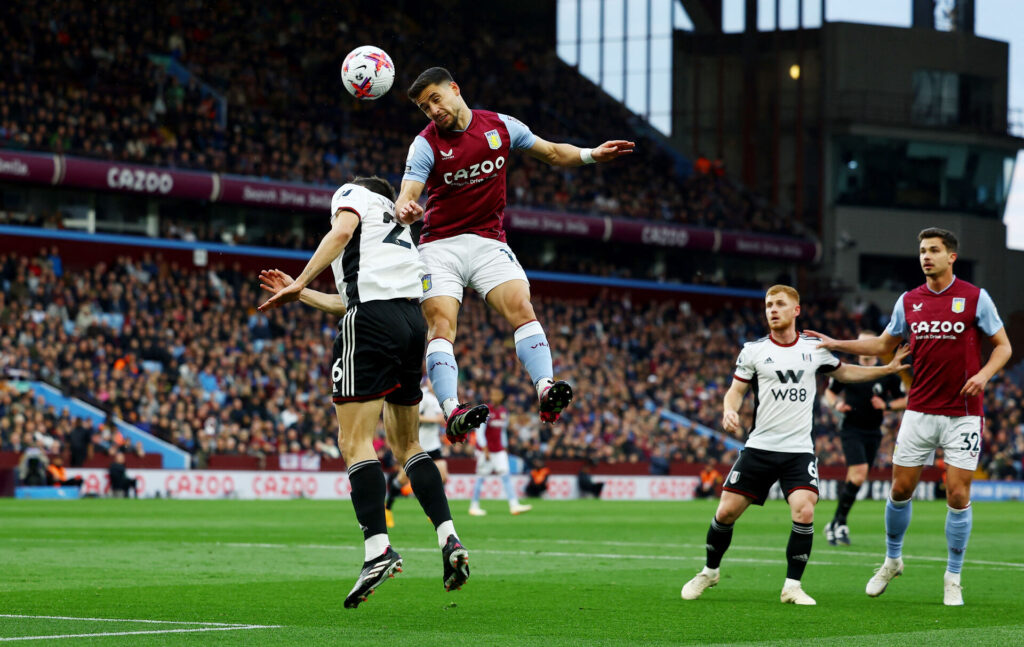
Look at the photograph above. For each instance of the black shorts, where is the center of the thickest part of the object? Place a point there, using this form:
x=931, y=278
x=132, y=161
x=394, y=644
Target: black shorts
x=860, y=445
x=378, y=353
x=756, y=470
x=435, y=454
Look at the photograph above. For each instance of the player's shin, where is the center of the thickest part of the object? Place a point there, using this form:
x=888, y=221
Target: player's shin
x=478, y=485
x=718, y=540
x=443, y=371
x=429, y=490
x=510, y=492
x=958, y=531
x=847, y=497
x=798, y=550
x=368, y=493
x=897, y=520
x=534, y=353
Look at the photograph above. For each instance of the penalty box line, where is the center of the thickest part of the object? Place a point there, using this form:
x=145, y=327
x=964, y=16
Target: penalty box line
x=204, y=627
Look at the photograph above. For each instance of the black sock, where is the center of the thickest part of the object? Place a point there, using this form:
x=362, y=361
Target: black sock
x=798, y=551
x=394, y=488
x=847, y=497
x=368, y=491
x=719, y=538
x=426, y=483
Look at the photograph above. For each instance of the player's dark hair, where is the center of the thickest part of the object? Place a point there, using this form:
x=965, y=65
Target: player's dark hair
x=378, y=185
x=434, y=75
x=948, y=238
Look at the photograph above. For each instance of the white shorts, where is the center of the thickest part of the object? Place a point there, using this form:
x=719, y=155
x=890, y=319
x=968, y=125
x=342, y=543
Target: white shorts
x=921, y=433
x=496, y=464
x=467, y=260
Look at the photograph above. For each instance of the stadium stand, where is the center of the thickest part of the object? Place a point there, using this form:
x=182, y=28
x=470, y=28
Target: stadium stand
x=184, y=355
x=132, y=82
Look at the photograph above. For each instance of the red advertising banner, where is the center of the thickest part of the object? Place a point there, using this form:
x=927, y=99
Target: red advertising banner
x=277, y=195
x=28, y=167
x=663, y=235
x=766, y=246
x=147, y=180
x=535, y=221
x=193, y=185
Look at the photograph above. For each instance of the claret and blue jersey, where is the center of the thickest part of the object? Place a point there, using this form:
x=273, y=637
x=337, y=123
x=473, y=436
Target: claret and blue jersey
x=464, y=174
x=942, y=328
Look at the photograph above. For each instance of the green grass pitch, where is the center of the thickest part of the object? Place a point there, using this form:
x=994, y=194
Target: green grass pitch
x=567, y=573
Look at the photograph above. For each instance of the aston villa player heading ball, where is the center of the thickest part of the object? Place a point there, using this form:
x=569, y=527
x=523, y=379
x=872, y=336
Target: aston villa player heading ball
x=461, y=158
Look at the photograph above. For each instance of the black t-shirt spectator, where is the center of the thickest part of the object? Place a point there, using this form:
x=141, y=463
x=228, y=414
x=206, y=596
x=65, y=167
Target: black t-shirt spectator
x=862, y=414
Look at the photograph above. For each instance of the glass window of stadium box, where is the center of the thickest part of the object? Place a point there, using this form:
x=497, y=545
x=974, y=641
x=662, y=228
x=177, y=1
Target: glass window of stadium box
x=647, y=263
x=241, y=225
x=909, y=174
x=899, y=273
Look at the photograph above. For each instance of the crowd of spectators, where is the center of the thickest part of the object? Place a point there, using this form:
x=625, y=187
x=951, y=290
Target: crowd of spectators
x=184, y=355
x=98, y=81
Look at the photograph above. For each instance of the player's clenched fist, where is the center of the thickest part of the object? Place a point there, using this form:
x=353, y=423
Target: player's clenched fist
x=410, y=212
x=731, y=422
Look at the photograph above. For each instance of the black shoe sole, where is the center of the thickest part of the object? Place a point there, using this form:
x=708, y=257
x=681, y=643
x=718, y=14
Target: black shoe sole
x=472, y=419
x=559, y=396
x=459, y=561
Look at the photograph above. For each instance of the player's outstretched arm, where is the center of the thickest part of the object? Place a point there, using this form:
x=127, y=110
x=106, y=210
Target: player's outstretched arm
x=731, y=407
x=855, y=373
x=899, y=404
x=877, y=346
x=569, y=155
x=273, y=281
x=407, y=208
x=1001, y=352
x=345, y=222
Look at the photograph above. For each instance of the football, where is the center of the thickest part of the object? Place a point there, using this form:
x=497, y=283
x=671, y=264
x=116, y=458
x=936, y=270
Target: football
x=367, y=73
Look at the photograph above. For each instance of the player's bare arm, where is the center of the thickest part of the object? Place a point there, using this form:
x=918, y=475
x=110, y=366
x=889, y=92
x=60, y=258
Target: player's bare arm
x=569, y=155
x=408, y=209
x=1001, y=352
x=899, y=404
x=345, y=222
x=835, y=402
x=731, y=407
x=881, y=345
x=273, y=281
x=857, y=373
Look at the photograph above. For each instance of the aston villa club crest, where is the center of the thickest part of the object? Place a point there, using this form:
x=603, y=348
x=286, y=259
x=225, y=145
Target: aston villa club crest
x=426, y=283
x=958, y=304
x=493, y=139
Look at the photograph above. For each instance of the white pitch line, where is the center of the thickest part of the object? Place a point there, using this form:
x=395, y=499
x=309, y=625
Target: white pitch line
x=139, y=633
x=827, y=551
x=159, y=622
x=545, y=553
x=986, y=564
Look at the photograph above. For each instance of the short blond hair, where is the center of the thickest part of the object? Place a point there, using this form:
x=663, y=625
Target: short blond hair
x=785, y=289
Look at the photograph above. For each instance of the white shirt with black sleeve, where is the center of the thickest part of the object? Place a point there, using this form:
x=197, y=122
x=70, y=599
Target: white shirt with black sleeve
x=784, y=382
x=380, y=262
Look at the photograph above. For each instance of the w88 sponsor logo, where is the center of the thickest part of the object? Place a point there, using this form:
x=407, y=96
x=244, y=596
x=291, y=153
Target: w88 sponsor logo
x=920, y=327
x=476, y=170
